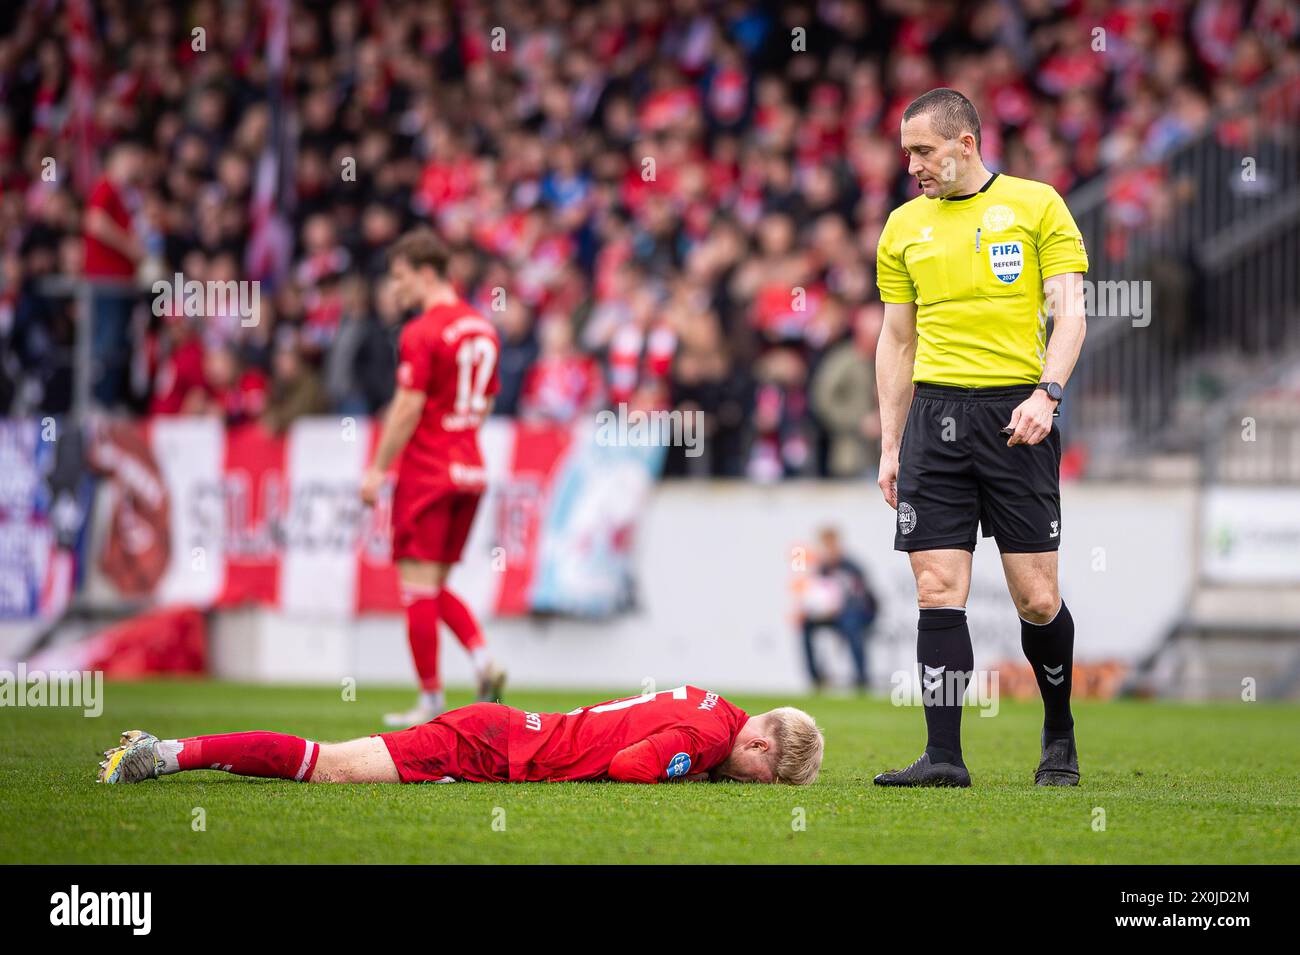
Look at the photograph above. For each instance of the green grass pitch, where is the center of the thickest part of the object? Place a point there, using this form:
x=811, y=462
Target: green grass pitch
x=1176, y=783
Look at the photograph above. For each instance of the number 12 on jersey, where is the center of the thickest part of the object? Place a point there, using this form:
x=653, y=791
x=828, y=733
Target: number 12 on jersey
x=475, y=359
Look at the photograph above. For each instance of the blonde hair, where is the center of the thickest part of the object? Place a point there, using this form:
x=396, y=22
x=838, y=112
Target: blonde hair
x=799, y=745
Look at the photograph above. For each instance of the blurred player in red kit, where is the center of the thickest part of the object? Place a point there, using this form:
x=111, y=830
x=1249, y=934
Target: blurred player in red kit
x=446, y=380
x=685, y=733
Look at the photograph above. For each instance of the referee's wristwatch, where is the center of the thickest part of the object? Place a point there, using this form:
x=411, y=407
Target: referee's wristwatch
x=1054, y=390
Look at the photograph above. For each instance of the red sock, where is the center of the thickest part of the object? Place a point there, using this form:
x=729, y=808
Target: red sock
x=274, y=755
x=422, y=634
x=458, y=617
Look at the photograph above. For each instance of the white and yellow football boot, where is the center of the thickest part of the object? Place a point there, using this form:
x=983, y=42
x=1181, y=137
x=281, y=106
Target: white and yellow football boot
x=134, y=761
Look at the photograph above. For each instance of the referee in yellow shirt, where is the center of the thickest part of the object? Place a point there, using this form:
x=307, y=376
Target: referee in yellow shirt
x=969, y=387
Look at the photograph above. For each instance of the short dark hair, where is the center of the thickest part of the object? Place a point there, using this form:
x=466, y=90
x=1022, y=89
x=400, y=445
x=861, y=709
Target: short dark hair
x=420, y=248
x=950, y=113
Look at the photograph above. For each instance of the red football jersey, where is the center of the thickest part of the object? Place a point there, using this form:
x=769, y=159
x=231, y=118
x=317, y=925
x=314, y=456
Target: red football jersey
x=449, y=352
x=676, y=733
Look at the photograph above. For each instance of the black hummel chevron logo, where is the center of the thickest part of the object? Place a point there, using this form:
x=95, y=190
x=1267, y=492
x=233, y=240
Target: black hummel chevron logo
x=1054, y=674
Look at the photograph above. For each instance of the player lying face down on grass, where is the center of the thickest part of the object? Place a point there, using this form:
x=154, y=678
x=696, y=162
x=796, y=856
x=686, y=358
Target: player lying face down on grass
x=685, y=733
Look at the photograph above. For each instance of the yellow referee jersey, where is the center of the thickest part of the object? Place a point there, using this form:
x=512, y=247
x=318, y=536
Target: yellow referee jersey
x=975, y=266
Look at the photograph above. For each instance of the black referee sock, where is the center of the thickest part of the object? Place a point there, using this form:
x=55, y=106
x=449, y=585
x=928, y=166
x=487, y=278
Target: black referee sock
x=945, y=660
x=1049, y=647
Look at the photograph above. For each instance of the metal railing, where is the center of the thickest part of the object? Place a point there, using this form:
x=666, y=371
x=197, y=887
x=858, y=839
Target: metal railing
x=64, y=308
x=1253, y=437
x=1200, y=250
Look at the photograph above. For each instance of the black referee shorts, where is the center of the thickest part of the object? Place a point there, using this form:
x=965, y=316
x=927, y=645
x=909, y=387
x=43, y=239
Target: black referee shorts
x=955, y=471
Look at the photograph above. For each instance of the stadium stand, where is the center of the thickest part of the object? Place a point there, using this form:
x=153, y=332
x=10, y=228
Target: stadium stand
x=293, y=156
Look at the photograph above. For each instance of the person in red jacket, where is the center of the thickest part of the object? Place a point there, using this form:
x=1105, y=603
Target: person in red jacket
x=111, y=254
x=685, y=733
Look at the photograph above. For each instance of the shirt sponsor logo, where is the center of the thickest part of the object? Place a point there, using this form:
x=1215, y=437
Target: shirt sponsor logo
x=1007, y=259
x=997, y=218
x=466, y=476
x=461, y=422
x=533, y=721
x=906, y=518
x=679, y=765
x=710, y=701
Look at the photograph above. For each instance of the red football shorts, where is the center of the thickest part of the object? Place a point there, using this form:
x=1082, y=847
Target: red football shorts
x=433, y=530
x=467, y=744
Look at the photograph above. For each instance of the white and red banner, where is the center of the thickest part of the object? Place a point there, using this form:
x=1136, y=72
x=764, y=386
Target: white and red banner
x=216, y=517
